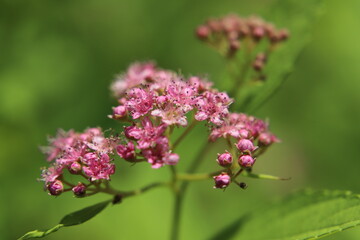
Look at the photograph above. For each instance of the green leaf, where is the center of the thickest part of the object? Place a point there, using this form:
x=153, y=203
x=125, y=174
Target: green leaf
x=71, y=219
x=298, y=17
x=305, y=215
x=83, y=215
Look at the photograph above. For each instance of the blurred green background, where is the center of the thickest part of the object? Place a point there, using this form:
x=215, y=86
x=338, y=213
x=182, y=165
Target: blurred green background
x=57, y=59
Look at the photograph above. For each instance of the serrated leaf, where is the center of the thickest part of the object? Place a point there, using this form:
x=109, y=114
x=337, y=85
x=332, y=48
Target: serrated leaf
x=298, y=17
x=71, y=219
x=305, y=215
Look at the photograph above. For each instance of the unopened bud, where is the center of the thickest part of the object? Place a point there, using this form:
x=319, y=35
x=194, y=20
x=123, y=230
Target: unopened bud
x=172, y=159
x=224, y=159
x=55, y=188
x=246, y=161
x=79, y=190
x=258, y=33
x=222, y=180
x=266, y=139
x=283, y=34
x=258, y=65
x=119, y=112
x=245, y=145
x=75, y=168
x=203, y=32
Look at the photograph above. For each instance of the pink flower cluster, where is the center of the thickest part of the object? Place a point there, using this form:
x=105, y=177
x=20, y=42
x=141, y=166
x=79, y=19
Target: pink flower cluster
x=87, y=154
x=148, y=91
x=147, y=141
x=153, y=100
x=231, y=30
x=251, y=137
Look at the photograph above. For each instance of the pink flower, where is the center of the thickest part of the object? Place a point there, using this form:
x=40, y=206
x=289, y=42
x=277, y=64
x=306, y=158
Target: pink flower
x=126, y=151
x=136, y=74
x=170, y=115
x=267, y=139
x=200, y=84
x=51, y=174
x=139, y=102
x=150, y=134
x=222, y=181
x=212, y=107
x=62, y=141
x=133, y=132
x=239, y=125
x=98, y=167
x=158, y=155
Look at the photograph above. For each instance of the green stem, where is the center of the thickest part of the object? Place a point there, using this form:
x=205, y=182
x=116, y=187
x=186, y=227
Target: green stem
x=234, y=92
x=135, y=192
x=262, y=176
x=179, y=195
x=176, y=216
x=196, y=177
x=183, y=135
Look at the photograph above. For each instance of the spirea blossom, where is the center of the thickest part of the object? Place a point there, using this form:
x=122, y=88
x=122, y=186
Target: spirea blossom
x=250, y=137
x=228, y=34
x=155, y=100
x=169, y=97
x=86, y=153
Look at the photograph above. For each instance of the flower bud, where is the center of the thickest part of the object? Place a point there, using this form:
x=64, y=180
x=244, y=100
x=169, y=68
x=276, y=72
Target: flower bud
x=266, y=139
x=119, y=112
x=283, y=34
x=55, y=188
x=234, y=45
x=258, y=33
x=202, y=32
x=224, y=159
x=246, y=161
x=79, y=190
x=258, y=65
x=244, y=133
x=171, y=159
x=75, y=168
x=245, y=145
x=222, y=180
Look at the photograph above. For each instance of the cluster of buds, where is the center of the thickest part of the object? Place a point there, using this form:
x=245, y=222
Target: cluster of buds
x=259, y=62
x=154, y=101
x=227, y=34
x=86, y=154
x=251, y=138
